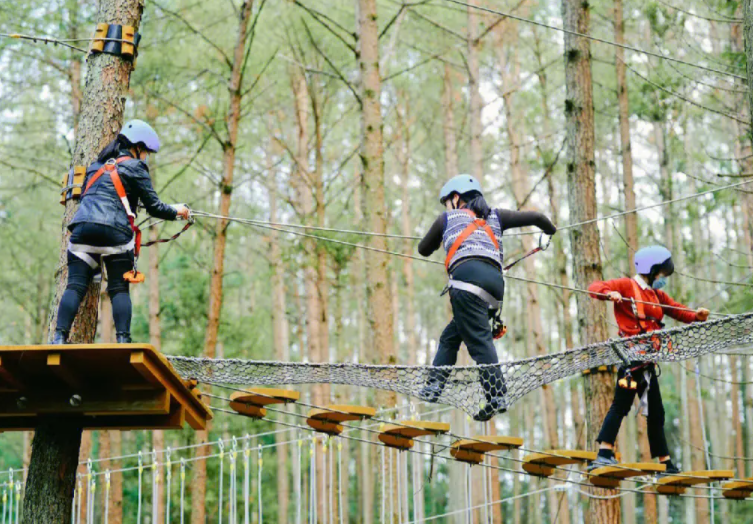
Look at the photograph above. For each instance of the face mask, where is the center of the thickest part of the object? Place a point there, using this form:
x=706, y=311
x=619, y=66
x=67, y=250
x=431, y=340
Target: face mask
x=659, y=283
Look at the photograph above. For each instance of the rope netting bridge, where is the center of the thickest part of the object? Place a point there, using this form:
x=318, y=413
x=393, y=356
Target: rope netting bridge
x=471, y=387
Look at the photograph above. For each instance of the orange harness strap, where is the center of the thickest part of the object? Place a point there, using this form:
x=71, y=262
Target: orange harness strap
x=638, y=309
x=111, y=168
x=467, y=232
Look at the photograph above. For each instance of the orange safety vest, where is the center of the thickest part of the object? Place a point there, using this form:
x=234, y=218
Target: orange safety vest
x=468, y=231
x=640, y=314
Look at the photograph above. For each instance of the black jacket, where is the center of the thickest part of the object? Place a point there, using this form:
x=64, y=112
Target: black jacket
x=101, y=204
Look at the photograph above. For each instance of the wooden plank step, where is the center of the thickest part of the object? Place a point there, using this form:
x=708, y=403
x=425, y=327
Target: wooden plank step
x=251, y=402
x=401, y=435
x=677, y=484
x=544, y=464
x=739, y=489
x=328, y=420
x=107, y=386
x=472, y=450
x=610, y=476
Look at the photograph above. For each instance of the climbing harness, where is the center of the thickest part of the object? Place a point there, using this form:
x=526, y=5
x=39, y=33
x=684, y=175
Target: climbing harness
x=639, y=312
x=495, y=306
x=84, y=252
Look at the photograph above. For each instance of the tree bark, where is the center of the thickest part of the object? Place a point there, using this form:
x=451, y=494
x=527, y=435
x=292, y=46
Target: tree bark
x=232, y=121
x=372, y=159
x=448, y=124
x=579, y=116
x=474, y=95
x=631, y=220
x=280, y=335
x=50, y=483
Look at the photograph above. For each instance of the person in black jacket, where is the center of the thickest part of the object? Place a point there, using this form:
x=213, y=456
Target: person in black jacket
x=471, y=233
x=102, y=229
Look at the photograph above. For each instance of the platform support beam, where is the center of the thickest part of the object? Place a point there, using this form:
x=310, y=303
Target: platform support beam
x=52, y=471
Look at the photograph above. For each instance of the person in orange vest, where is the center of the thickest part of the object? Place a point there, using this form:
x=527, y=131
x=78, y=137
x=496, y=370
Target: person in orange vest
x=639, y=307
x=471, y=234
x=103, y=230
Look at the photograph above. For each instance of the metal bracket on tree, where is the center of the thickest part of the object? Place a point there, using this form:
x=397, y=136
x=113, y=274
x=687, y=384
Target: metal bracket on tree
x=73, y=183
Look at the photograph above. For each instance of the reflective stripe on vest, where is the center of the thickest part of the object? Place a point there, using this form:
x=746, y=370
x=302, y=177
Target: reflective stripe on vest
x=478, y=223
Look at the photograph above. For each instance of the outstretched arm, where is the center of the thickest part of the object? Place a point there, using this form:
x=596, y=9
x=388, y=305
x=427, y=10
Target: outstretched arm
x=685, y=314
x=509, y=219
x=612, y=290
x=433, y=239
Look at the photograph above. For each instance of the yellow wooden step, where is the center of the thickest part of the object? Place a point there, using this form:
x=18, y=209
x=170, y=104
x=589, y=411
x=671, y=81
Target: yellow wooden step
x=739, y=489
x=677, y=484
x=401, y=435
x=610, y=476
x=251, y=402
x=328, y=420
x=543, y=464
x=472, y=450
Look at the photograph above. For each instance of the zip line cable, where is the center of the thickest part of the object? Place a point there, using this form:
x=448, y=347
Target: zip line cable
x=430, y=261
x=597, y=39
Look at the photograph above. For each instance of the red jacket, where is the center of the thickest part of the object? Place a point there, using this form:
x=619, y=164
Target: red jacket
x=623, y=311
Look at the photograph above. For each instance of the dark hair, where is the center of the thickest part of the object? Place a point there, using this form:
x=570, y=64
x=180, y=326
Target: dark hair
x=667, y=267
x=476, y=203
x=113, y=149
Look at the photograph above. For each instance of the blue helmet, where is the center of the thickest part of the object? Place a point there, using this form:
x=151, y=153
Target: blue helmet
x=460, y=184
x=139, y=132
x=648, y=258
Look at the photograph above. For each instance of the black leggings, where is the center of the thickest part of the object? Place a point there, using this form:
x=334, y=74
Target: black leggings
x=470, y=324
x=623, y=400
x=80, y=275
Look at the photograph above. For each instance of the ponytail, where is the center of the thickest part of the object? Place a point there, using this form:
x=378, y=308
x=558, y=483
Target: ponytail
x=477, y=204
x=112, y=150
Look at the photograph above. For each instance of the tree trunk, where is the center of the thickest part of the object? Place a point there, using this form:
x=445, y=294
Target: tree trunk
x=280, y=336
x=474, y=95
x=510, y=68
x=579, y=114
x=372, y=159
x=49, y=492
x=232, y=121
x=631, y=220
x=155, y=339
x=448, y=124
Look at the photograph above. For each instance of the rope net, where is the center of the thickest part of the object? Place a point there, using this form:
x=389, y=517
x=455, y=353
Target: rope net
x=493, y=387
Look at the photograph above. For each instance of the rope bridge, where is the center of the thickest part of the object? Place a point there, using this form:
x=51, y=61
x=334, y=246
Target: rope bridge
x=470, y=387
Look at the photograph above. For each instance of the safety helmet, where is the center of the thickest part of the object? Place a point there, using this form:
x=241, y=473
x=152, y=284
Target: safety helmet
x=139, y=132
x=651, y=260
x=460, y=184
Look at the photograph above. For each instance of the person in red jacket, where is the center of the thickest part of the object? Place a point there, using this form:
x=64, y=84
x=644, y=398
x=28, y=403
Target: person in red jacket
x=653, y=265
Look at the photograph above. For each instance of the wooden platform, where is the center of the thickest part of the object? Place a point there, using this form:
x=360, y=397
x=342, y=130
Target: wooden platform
x=472, y=450
x=106, y=386
x=251, y=402
x=677, y=484
x=738, y=490
x=610, y=476
x=544, y=464
x=329, y=420
x=401, y=435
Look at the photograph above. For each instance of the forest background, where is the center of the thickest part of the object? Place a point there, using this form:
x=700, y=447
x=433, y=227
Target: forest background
x=461, y=90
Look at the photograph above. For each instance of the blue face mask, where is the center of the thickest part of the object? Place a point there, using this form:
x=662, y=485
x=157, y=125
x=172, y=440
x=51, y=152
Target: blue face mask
x=659, y=283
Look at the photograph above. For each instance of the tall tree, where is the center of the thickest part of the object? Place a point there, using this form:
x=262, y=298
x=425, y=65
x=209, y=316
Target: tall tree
x=375, y=203
x=579, y=118
x=232, y=122
x=50, y=483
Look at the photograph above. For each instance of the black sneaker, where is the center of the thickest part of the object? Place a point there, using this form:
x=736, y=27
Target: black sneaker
x=602, y=461
x=430, y=392
x=671, y=470
x=495, y=406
